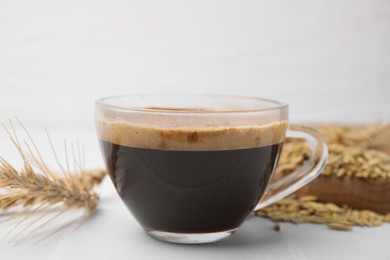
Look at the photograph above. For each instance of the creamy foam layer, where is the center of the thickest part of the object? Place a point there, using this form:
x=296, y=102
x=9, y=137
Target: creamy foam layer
x=191, y=139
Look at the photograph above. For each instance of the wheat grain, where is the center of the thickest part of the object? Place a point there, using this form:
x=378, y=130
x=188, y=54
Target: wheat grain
x=349, y=155
x=314, y=211
x=351, y=161
x=351, y=136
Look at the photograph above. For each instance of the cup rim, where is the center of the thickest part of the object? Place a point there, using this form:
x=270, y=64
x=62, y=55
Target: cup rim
x=276, y=105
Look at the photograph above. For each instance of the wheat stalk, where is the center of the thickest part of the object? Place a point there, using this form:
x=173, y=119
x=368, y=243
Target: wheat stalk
x=36, y=191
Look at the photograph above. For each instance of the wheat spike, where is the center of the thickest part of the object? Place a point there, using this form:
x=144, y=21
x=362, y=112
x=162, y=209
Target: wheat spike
x=26, y=187
x=36, y=190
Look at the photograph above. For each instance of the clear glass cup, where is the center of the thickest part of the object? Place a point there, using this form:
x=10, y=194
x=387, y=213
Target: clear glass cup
x=191, y=168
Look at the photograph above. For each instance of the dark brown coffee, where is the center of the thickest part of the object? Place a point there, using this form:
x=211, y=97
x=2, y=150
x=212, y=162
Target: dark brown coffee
x=184, y=181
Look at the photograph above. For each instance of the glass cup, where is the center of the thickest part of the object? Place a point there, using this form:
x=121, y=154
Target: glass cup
x=191, y=168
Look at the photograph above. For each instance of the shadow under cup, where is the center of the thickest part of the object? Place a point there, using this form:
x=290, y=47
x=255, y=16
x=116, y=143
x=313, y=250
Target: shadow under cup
x=190, y=172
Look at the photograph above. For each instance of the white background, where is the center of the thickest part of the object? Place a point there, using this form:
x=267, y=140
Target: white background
x=330, y=60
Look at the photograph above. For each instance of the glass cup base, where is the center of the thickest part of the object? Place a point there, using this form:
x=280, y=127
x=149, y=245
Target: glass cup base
x=190, y=238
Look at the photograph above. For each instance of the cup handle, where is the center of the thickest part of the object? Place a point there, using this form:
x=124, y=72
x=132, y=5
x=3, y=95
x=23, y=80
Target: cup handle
x=304, y=174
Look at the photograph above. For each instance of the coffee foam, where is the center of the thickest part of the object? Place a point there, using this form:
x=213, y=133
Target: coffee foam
x=191, y=139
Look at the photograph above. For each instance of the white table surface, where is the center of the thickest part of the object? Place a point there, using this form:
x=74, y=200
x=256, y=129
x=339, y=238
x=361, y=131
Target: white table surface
x=112, y=233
